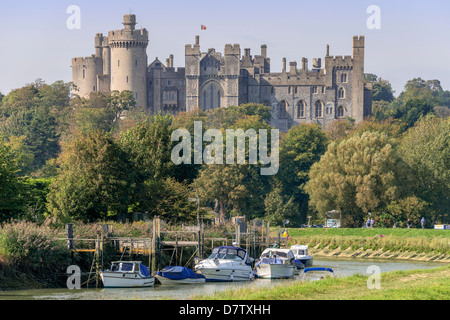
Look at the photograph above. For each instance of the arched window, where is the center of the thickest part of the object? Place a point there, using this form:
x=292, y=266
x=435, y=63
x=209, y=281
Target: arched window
x=301, y=109
x=341, y=93
x=283, y=110
x=340, y=112
x=319, y=109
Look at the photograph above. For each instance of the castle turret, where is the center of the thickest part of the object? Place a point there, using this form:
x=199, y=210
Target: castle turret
x=129, y=59
x=358, y=79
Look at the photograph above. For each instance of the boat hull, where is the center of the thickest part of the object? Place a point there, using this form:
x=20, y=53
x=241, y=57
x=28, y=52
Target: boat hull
x=165, y=280
x=275, y=271
x=224, y=274
x=126, y=280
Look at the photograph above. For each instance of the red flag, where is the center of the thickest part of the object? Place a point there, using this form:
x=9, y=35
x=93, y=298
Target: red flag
x=203, y=27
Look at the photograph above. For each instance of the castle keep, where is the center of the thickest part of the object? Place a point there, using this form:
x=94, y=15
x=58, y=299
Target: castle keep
x=322, y=93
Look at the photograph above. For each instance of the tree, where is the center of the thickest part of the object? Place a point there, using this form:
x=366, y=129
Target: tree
x=302, y=146
x=360, y=174
x=425, y=148
x=96, y=180
x=10, y=184
x=278, y=207
x=382, y=91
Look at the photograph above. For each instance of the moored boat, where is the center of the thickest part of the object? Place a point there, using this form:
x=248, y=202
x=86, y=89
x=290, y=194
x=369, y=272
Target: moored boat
x=226, y=263
x=275, y=264
x=127, y=274
x=301, y=255
x=179, y=275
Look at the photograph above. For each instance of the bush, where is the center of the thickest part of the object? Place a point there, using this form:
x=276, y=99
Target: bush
x=26, y=246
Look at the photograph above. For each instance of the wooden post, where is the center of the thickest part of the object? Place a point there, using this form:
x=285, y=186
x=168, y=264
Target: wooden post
x=69, y=236
x=268, y=234
x=279, y=236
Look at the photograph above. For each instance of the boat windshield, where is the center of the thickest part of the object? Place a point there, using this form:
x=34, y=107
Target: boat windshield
x=301, y=252
x=227, y=254
x=271, y=254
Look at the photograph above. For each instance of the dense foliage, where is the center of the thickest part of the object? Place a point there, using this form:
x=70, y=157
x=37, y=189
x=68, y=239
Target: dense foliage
x=100, y=158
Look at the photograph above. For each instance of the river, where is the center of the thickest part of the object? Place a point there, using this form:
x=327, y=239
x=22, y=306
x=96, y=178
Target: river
x=342, y=267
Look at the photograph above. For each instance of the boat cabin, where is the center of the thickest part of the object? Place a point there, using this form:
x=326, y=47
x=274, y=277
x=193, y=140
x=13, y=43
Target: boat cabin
x=230, y=253
x=300, y=250
x=277, y=253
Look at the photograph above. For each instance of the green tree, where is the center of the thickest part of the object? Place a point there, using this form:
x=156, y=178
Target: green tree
x=10, y=184
x=302, y=146
x=425, y=148
x=360, y=174
x=96, y=180
x=278, y=207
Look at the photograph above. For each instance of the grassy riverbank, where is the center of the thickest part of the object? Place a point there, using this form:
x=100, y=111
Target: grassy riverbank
x=430, y=284
x=409, y=244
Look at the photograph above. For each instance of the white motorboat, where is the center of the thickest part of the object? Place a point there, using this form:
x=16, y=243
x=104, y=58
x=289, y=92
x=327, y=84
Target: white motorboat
x=226, y=263
x=301, y=255
x=276, y=264
x=179, y=275
x=127, y=274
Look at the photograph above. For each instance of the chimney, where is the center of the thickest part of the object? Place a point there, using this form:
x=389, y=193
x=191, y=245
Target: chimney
x=284, y=65
x=293, y=67
x=264, y=51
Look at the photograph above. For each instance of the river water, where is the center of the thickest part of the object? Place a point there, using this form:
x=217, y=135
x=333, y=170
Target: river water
x=341, y=267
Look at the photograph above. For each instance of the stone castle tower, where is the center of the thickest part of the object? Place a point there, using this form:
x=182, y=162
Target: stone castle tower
x=119, y=63
x=297, y=94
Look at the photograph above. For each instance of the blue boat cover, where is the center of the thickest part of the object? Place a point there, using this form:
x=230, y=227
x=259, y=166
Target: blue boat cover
x=298, y=262
x=317, y=269
x=144, y=270
x=179, y=273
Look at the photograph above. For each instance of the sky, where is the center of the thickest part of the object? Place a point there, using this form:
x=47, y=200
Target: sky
x=413, y=38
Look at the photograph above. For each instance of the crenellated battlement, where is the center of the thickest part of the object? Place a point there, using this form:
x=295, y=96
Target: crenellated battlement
x=232, y=49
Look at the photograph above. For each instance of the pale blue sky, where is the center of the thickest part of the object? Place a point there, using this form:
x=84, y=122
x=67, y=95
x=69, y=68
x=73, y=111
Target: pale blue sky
x=414, y=39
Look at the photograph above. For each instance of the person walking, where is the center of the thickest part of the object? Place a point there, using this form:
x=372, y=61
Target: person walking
x=409, y=223
x=422, y=222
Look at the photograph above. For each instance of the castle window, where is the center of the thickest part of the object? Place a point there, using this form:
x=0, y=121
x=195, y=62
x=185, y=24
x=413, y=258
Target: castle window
x=341, y=93
x=319, y=109
x=289, y=90
x=323, y=89
x=93, y=89
x=344, y=77
x=295, y=89
x=301, y=109
x=283, y=110
x=272, y=90
x=127, y=79
x=118, y=63
x=314, y=89
x=169, y=82
x=340, y=112
x=84, y=74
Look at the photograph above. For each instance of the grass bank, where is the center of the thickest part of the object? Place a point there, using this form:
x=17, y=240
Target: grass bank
x=408, y=244
x=430, y=284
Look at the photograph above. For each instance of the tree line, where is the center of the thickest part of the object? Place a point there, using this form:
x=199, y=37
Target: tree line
x=100, y=158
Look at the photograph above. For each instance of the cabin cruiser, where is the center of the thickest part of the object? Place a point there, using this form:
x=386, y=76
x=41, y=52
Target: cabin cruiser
x=127, y=274
x=226, y=263
x=276, y=264
x=301, y=255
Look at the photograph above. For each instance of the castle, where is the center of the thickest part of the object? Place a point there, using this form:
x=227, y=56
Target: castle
x=211, y=80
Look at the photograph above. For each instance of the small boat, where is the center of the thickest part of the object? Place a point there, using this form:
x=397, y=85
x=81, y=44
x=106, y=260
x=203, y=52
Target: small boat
x=179, y=275
x=314, y=274
x=127, y=274
x=301, y=256
x=226, y=263
x=276, y=264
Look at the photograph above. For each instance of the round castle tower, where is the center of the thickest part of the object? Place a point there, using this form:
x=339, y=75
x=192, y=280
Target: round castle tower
x=128, y=64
